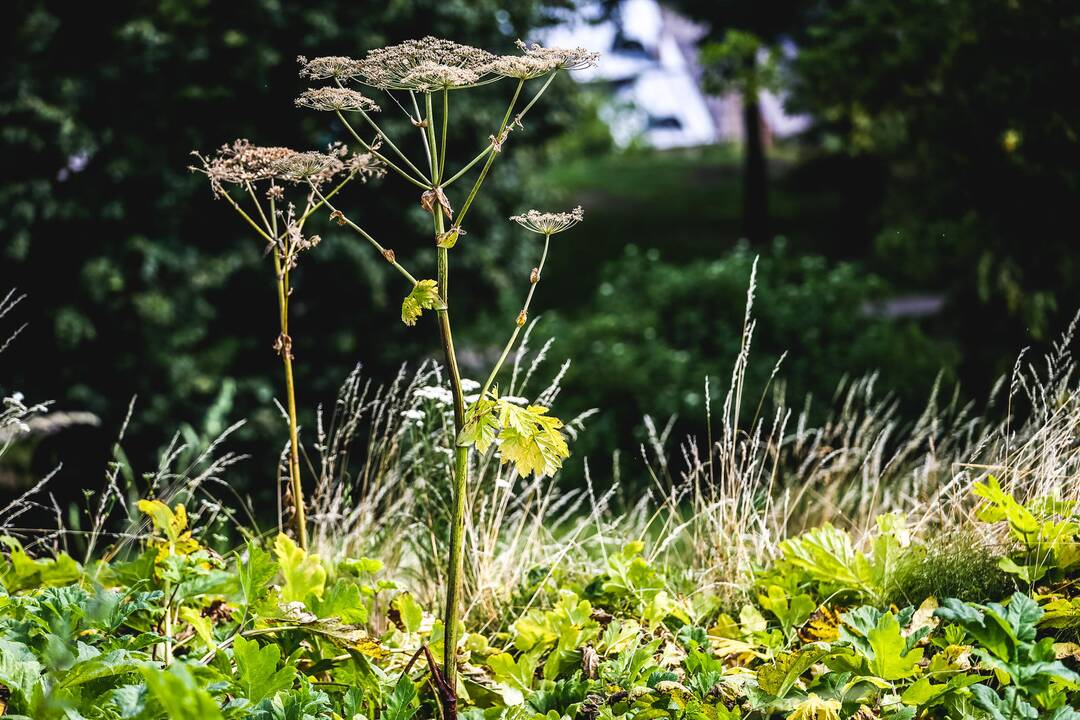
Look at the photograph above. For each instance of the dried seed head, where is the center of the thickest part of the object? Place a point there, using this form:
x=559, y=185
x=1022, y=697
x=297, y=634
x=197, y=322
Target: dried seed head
x=241, y=163
x=275, y=192
x=549, y=223
x=314, y=167
x=522, y=67
x=333, y=98
x=425, y=65
x=321, y=68
x=559, y=58
x=365, y=165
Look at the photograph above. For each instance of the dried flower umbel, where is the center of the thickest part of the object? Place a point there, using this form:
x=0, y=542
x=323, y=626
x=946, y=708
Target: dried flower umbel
x=256, y=175
x=417, y=77
x=241, y=163
x=336, y=98
x=425, y=65
x=324, y=68
x=536, y=61
x=560, y=58
x=549, y=223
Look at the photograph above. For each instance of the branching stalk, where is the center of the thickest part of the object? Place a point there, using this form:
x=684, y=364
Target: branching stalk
x=387, y=254
x=521, y=319
x=284, y=348
x=389, y=163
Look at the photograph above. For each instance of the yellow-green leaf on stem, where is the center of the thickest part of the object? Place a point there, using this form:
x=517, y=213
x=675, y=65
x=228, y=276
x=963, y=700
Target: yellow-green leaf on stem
x=424, y=296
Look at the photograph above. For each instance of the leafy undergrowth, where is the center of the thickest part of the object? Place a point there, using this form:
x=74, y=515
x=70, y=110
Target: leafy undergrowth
x=273, y=632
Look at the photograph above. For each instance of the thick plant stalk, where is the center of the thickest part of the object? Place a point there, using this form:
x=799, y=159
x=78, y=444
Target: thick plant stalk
x=285, y=349
x=456, y=560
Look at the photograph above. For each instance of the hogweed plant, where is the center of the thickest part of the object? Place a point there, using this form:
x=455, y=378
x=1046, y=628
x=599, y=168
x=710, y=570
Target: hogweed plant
x=418, y=77
x=258, y=177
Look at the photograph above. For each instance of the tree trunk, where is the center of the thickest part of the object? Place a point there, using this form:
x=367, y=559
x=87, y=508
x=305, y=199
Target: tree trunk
x=755, y=178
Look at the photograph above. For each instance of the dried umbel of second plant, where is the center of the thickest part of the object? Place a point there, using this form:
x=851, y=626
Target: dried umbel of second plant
x=549, y=223
x=314, y=167
x=241, y=163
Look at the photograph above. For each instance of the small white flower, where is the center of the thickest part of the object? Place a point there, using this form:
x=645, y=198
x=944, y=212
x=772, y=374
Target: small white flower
x=413, y=414
x=468, y=384
x=436, y=393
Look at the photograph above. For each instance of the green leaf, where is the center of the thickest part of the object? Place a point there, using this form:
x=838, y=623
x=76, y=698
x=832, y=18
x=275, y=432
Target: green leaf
x=401, y=705
x=515, y=673
x=410, y=612
x=343, y=600
x=424, y=296
x=1009, y=707
x=481, y=425
x=19, y=672
x=779, y=676
x=827, y=556
x=990, y=634
x=891, y=660
x=790, y=611
x=303, y=574
x=256, y=670
x=180, y=694
x=255, y=572
x=117, y=662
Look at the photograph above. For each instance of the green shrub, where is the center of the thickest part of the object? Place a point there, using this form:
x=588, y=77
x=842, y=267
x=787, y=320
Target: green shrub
x=956, y=563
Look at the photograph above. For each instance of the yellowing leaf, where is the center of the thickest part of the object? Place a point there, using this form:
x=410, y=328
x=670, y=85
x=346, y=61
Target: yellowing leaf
x=823, y=624
x=171, y=523
x=424, y=296
x=304, y=574
x=814, y=708
x=481, y=425
x=200, y=624
x=531, y=440
x=779, y=676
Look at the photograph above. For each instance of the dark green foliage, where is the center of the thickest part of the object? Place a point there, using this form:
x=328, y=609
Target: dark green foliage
x=667, y=327
x=613, y=640
x=137, y=281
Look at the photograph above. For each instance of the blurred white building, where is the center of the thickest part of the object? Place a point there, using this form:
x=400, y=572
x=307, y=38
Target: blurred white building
x=648, y=54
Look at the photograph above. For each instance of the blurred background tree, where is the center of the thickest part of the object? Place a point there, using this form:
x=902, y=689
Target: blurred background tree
x=941, y=164
x=138, y=282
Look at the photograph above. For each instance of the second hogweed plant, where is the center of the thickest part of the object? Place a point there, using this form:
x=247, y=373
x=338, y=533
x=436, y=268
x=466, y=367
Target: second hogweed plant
x=418, y=78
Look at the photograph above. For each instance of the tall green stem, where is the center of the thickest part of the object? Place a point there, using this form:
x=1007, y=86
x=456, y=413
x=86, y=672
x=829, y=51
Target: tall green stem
x=455, y=563
x=284, y=346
